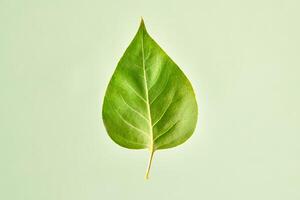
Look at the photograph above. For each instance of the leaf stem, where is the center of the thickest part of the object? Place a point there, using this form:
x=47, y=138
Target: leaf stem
x=149, y=164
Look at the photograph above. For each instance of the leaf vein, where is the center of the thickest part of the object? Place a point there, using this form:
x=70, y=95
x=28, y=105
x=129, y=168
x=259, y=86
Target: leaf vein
x=147, y=91
x=164, y=112
x=169, y=129
x=136, y=93
x=160, y=92
x=134, y=110
x=131, y=125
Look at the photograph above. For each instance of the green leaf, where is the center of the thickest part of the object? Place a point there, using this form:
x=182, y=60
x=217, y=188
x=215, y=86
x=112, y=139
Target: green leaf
x=149, y=102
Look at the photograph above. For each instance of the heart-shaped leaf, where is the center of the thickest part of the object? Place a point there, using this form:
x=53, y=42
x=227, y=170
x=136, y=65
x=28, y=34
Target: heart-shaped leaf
x=149, y=102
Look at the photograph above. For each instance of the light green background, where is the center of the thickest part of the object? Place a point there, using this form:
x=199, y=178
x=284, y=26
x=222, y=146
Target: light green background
x=242, y=57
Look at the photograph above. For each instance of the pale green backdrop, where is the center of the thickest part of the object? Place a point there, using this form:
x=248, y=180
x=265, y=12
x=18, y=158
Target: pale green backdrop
x=242, y=57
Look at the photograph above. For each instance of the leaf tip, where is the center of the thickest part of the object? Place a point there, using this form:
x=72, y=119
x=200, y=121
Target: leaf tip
x=142, y=23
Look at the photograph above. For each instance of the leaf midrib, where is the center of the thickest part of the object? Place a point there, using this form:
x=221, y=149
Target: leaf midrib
x=147, y=95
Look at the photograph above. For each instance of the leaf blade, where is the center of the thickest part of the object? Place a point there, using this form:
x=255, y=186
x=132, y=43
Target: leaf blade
x=157, y=99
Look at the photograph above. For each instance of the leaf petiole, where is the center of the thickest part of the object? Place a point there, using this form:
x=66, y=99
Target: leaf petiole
x=149, y=164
